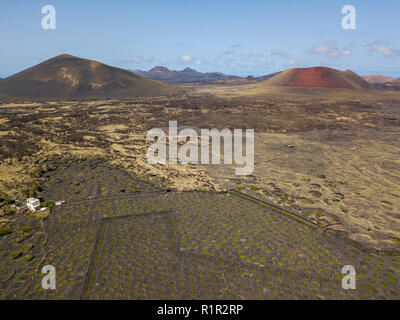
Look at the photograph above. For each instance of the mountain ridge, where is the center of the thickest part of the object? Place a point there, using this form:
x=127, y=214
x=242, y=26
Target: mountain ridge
x=187, y=75
x=66, y=76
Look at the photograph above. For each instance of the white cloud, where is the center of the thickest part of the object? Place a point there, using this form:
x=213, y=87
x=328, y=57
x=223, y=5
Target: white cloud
x=382, y=47
x=287, y=57
x=186, y=58
x=142, y=59
x=331, y=50
x=254, y=56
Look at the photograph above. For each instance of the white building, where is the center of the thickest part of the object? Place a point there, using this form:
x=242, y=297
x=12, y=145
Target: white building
x=33, y=204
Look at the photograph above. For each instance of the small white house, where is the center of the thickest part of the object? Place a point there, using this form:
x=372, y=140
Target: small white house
x=60, y=203
x=32, y=204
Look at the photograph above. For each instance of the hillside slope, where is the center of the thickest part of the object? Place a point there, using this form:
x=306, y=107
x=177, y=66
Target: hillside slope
x=69, y=76
x=318, y=77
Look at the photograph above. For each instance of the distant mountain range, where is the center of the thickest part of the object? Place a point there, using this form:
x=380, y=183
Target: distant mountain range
x=384, y=82
x=376, y=79
x=67, y=76
x=186, y=75
x=296, y=77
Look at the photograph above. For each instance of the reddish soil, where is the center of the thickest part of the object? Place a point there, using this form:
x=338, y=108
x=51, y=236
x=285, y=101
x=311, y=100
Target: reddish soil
x=318, y=77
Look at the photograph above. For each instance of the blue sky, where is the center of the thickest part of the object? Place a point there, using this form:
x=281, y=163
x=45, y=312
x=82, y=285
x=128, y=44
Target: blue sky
x=238, y=37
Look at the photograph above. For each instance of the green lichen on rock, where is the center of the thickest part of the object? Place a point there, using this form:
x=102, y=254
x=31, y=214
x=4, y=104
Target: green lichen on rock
x=4, y=231
x=27, y=247
x=43, y=214
x=27, y=257
x=16, y=254
x=319, y=214
x=135, y=190
x=47, y=204
x=330, y=184
x=24, y=229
